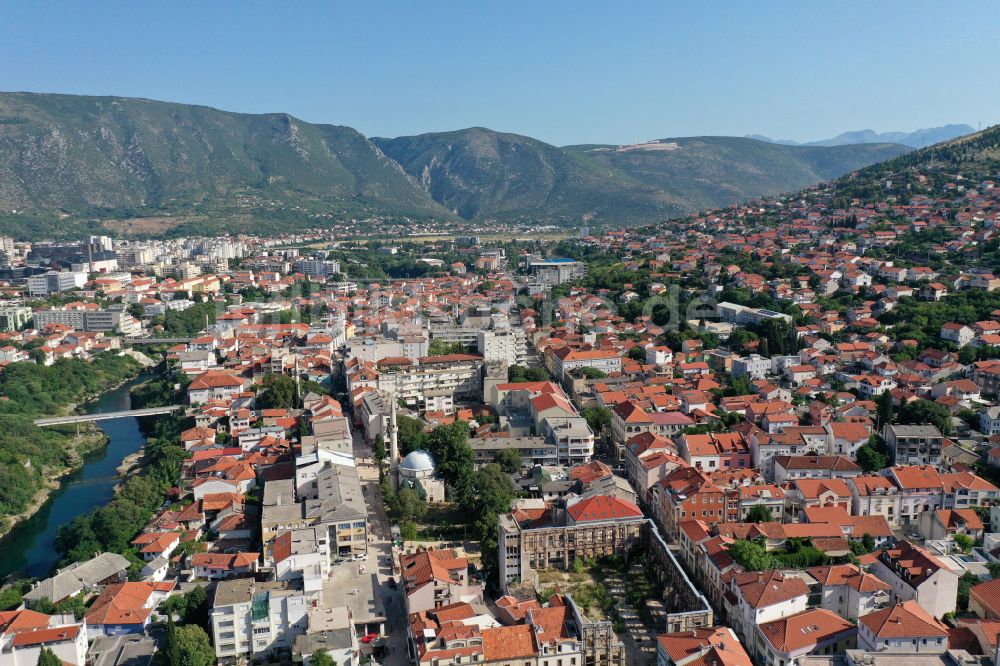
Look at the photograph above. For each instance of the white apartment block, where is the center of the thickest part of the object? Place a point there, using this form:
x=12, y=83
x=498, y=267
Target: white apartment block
x=55, y=282
x=509, y=345
x=250, y=618
x=90, y=321
x=436, y=383
x=754, y=366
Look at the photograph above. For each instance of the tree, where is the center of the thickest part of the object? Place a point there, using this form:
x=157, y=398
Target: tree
x=46, y=657
x=279, y=392
x=196, y=607
x=870, y=459
x=193, y=647
x=378, y=449
x=919, y=412
x=738, y=385
x=964, y=542
x=593, y=373
x=173, y=649
x=439, y=347
x=321, y=658
x=739, y=339
x=868, y=541
x=637, y=353
x=455, y=460
x=494, y=491
x=518, y=374
x=994, y=569
x=509, y=460
x=885, y=410
x=597, y=418
x=759, y=514
x=12, y=595
x=751, y=555
x=408, y=506
x=965, y=584
x=410, y=434
x=114, y=524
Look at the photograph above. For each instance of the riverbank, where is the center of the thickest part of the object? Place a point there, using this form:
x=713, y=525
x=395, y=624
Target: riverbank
x=89, y=441
x=29, y=550
x=82, y=446
x=131, y=464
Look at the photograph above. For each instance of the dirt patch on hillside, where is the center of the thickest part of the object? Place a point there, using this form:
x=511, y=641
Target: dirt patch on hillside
x=142, y=226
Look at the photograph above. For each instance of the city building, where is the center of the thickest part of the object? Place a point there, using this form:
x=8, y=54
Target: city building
x=849, y=591
x=55, y=282
x=435, y=578
x=14, y=318
x=548, y=273
x=538, y=535
x=89, y=320
x=417, y=470
x=251, y=618
x=905, y=627
x=783, y=642
x=705, y=645
x=913, y=444
x=24, y=633
x=913, y=574
x=509, y=345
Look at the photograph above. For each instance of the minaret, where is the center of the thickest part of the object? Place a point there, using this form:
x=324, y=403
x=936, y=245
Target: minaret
x=393, y=443
x=298, y=379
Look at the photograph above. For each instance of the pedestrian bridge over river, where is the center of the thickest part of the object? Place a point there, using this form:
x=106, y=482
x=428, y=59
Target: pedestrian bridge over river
x=103, y=416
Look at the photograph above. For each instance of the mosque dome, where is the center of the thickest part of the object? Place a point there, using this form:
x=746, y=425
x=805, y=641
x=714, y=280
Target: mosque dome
x=416, y=462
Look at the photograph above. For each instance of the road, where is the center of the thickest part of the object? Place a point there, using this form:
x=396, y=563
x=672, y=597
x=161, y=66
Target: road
x=380, y=554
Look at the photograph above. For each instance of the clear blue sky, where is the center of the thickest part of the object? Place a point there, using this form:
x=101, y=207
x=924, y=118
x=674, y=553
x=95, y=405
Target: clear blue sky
x=564, y=72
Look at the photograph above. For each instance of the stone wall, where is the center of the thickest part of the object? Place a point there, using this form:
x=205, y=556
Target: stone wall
x=687, y=608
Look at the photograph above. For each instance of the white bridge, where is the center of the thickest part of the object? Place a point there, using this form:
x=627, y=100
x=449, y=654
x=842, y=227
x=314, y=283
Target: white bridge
x=103, y=416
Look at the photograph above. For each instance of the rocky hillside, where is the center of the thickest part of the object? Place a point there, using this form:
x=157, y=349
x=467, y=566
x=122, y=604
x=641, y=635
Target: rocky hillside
x=82, y=158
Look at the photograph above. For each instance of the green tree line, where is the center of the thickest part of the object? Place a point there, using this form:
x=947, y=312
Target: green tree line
x=28, y=453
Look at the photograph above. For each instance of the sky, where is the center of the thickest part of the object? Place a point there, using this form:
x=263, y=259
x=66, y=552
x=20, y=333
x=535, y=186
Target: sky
x=564, y=72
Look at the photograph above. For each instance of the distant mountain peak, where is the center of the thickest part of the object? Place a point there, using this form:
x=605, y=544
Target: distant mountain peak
x=916, y=139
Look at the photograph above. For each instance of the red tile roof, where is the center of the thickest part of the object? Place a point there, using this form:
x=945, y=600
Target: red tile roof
x=804, y=630
x=683, y=645
x=905, y=620
x=124, y=603
x=767, y=588
x=45, y=636
x=602, y=507
x=508, y=643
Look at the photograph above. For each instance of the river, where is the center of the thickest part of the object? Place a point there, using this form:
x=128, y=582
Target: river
x=29, y=548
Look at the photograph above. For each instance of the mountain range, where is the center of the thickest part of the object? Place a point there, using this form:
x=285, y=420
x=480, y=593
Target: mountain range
x=80, y=159
x=918, y=139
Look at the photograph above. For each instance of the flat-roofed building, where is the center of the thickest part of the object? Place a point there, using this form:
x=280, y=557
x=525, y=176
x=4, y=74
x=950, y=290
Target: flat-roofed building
x=914, y=444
